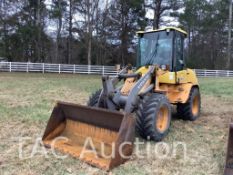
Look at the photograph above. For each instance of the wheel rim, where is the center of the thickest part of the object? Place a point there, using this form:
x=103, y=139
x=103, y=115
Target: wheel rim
x=195, y=106
x=162, y=119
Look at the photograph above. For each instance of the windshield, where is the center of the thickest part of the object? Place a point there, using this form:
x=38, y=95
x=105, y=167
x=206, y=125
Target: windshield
x=155, y=48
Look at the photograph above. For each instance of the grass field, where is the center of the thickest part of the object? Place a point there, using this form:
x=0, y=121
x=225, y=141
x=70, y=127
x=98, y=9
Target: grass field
x=26, y=102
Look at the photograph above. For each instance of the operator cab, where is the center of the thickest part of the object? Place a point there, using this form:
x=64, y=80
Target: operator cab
x=163, y=47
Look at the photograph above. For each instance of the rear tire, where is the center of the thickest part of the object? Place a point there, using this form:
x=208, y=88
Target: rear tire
x=94, y=98
x=153, y=117
x=192, y=108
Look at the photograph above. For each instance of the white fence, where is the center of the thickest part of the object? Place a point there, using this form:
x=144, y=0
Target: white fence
x=57, y=68
x=213, y=73
x=85, y=69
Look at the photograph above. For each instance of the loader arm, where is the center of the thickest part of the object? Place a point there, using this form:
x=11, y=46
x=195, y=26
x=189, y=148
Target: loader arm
x=132, y=97
x=109, y=85
x=114, y=100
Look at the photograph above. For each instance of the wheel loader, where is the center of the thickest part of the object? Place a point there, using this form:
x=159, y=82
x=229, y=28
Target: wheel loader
x=138, y=99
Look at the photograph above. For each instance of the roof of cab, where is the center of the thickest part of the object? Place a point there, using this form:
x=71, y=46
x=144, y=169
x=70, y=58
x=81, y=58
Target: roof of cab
x=165, y=28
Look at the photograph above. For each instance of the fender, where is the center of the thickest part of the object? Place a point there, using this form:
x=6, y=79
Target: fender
x=178, y=93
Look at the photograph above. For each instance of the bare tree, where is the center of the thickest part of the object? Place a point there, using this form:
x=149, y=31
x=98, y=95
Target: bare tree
x=125, y=18
x=228, y=63
x=69, y=52
x=57, y=12
x=38, y=28
x=160, y=7
x=88, y=9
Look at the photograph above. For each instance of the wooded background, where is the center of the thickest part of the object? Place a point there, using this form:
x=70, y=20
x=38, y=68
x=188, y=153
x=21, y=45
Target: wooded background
x=103, y=32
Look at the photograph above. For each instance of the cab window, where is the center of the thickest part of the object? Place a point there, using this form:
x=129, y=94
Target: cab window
x=179, y=40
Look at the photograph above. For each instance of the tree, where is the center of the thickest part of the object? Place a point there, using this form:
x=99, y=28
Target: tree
x=88, y=32
x=228, y=62
x=57, y=11
x=206, y=25
x=36, y=9
x=88, y=9
x=160, y=8
x=23, y=23
x=125, y=18
x=70, y=37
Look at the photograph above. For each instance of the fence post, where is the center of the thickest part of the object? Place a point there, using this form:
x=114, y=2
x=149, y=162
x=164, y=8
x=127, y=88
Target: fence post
x=228, y=73
x=204, y=73
x=102, y=70
x=59, y=68
x=27, y=67
x=74, y=69
x=89, y=69
x=10, y=66
x=43, y=68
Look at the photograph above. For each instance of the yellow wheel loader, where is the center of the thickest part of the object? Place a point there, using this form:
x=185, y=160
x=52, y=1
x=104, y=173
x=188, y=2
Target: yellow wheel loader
x=102, y=133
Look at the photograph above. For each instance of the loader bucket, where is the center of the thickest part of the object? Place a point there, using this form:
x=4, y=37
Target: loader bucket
x=97, y=136
x=229, y=160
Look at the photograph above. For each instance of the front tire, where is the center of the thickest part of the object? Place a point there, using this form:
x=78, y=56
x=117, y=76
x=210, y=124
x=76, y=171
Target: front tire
x=192, y=108
x=94, y=98
x=154, y=117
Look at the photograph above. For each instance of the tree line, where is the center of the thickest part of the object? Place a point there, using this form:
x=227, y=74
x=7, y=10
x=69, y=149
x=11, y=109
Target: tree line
x=103, y=32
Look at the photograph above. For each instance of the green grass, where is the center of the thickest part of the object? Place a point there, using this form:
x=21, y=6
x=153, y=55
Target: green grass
x=219, y=87
x=27, y=100
x=32, y=96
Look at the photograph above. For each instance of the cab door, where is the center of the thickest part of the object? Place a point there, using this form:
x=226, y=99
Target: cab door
x=179, y=64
